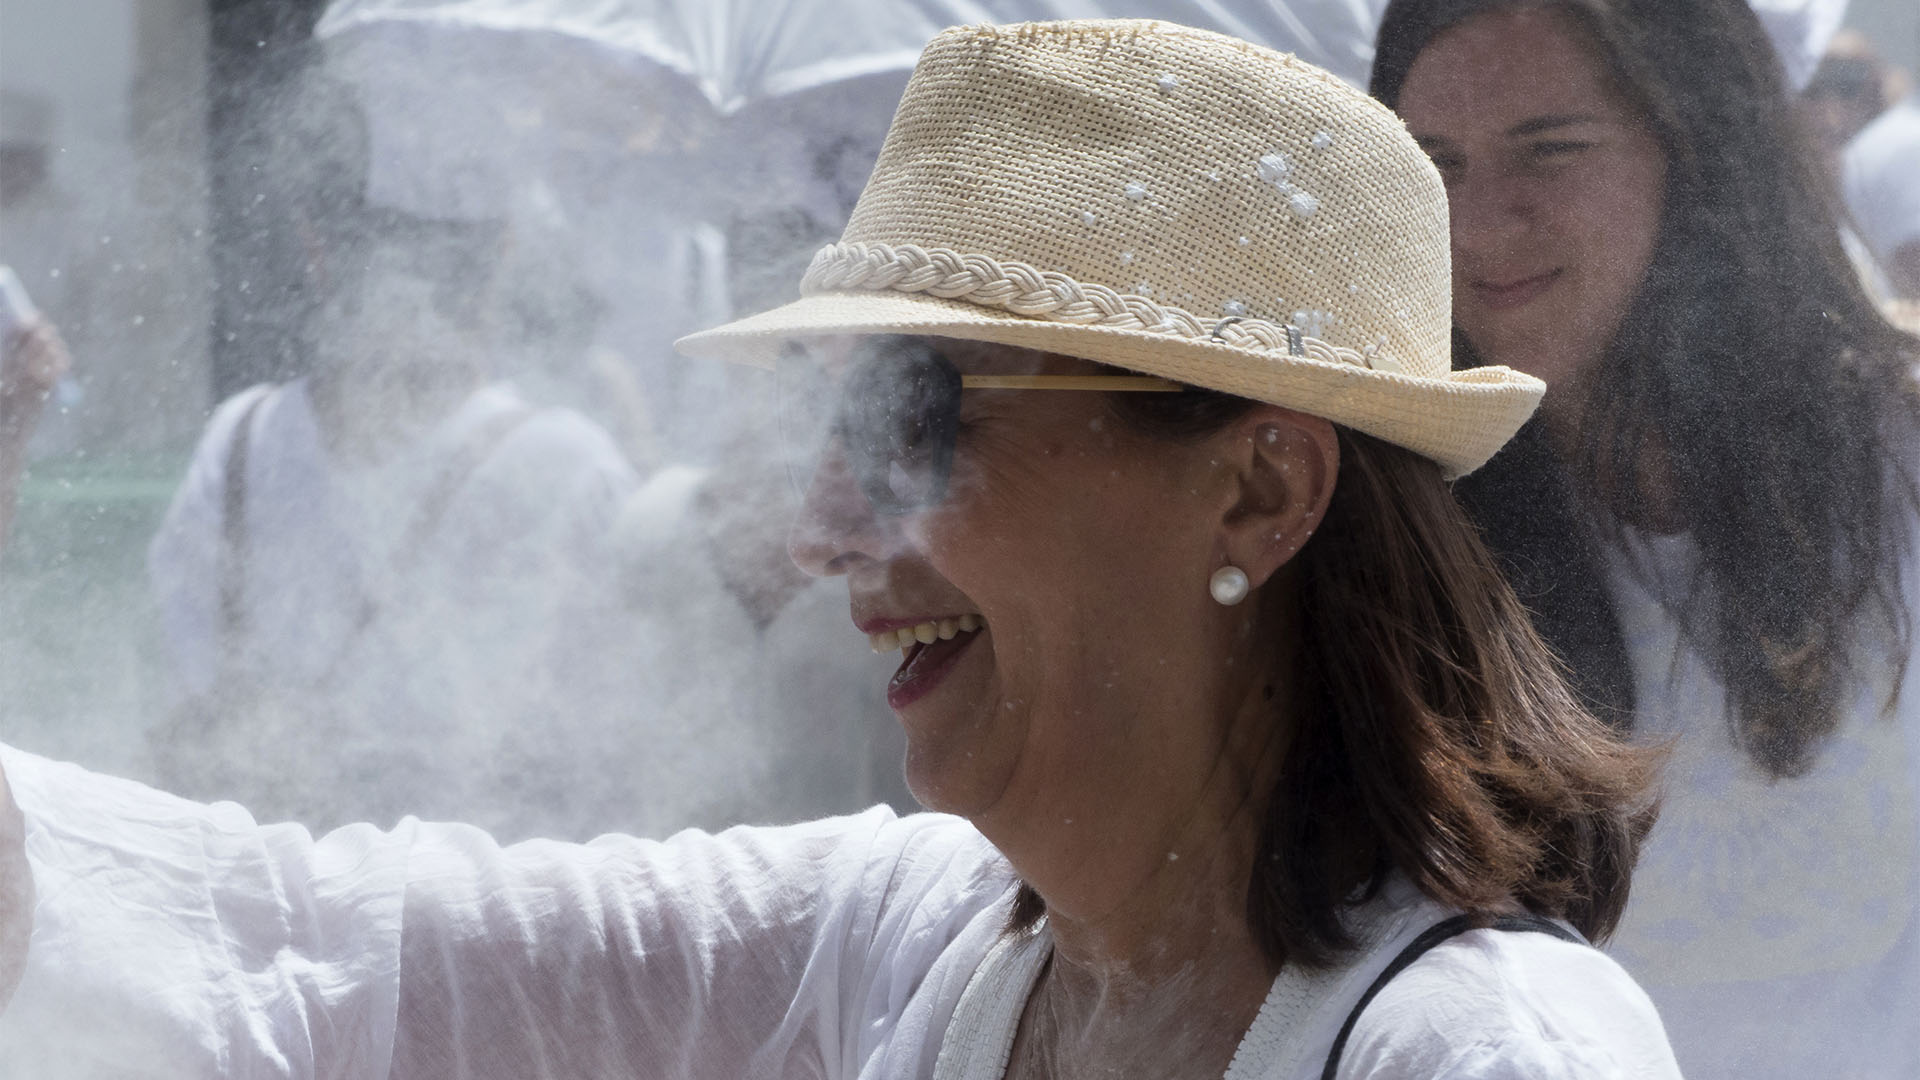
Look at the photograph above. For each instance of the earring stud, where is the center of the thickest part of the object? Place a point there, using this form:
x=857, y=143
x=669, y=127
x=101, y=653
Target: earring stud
x=1228, y=585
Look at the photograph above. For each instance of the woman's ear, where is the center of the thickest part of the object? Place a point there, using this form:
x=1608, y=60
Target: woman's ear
x=1286, y=464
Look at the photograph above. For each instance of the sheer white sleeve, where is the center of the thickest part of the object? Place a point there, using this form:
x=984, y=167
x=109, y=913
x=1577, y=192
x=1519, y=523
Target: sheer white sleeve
x=182, y=940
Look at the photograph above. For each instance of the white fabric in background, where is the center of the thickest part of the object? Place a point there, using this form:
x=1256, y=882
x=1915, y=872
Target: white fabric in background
x=1800, y=30
x=1880, y=175
x=1776, y=923
x=412, y=714
x=175, y=940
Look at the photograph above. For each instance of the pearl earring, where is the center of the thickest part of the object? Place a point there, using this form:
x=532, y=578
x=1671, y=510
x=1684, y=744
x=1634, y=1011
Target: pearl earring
x=1228, y=585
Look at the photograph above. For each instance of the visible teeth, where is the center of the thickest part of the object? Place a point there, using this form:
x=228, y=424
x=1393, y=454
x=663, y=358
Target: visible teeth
x=925, y=633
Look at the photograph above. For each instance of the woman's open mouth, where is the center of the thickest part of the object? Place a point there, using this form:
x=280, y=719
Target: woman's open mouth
x=928, y=651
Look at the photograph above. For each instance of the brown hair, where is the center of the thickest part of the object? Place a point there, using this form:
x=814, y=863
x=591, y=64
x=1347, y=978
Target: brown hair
x=1752, y=355
x=1433, y=733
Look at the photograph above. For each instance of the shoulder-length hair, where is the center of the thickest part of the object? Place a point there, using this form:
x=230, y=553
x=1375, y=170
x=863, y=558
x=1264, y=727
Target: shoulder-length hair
x=1752, y=355
x=1432, y=733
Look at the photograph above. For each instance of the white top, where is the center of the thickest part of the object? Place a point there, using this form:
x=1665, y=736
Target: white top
x=1776, y=924
x=177, y=940
x=1880, y=172
x=427, y=696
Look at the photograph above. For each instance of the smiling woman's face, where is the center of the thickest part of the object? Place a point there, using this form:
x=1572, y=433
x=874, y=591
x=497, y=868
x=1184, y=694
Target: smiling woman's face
x=1555, y=187
x=1085, y=548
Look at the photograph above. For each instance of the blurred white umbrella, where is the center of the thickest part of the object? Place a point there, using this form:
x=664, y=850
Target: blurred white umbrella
x=737, y=52
x=468, y=94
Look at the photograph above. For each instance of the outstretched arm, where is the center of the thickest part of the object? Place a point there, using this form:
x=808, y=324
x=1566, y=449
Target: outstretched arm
x=189, y=933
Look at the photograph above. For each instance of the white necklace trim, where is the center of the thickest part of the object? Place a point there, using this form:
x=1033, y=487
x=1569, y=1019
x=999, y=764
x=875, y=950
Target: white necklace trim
x=978, y=1042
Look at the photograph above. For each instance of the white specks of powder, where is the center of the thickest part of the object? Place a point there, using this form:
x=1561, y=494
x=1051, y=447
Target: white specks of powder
x=1173, y=856
x=1213, y=175
x=1322, y=139
x=1313, y=322
x=1234, y=309
x=1243, y=241
x=1274, y=168
x=1087, y=218
x=1126, y=258
x=1136, y=191
x=1143, y=289
x=1167, y=81
x=1353, y=290
x=1303, y=204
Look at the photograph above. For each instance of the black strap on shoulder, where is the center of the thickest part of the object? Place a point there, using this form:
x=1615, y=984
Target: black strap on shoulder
x=1418, y=947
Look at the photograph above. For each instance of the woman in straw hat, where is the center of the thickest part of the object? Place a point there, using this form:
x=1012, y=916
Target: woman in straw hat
x=1713, y=512
x=1140, y=409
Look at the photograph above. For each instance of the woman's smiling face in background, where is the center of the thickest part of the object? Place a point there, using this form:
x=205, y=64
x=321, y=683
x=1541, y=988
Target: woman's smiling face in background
x=1555, y=185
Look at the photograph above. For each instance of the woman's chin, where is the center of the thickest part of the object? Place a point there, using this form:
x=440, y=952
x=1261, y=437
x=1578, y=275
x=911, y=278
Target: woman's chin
x=949, y=782
x=954, y=731
x=1540, y=348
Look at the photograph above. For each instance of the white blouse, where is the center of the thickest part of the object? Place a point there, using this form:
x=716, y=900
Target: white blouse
x=1776, y=923
x=173, y=939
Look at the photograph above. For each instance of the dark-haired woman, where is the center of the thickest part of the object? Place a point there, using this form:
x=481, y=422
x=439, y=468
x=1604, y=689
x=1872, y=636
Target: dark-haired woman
x=1134, y=445
x=1712, y=513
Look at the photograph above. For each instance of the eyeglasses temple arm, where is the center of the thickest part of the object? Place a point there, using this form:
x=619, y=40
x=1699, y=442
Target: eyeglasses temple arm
x=1144, y=383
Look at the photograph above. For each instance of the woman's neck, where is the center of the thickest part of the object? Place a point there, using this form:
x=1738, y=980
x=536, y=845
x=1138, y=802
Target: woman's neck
x=1646, y=497
x=1155, y=969
x=1164, y=984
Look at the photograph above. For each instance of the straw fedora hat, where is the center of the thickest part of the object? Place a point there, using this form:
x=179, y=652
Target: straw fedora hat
x=1167, y=200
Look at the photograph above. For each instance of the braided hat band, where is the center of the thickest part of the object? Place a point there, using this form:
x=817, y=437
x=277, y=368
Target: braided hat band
x=1168, y=200
x=1024, y=290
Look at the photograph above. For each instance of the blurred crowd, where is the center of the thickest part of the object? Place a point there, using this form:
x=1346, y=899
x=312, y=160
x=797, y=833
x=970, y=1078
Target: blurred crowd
x=1865, y=119
x=424, y=573
x=391, y=581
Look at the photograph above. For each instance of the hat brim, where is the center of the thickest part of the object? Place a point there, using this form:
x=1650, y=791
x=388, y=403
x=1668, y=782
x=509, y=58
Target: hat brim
x=1458, y=420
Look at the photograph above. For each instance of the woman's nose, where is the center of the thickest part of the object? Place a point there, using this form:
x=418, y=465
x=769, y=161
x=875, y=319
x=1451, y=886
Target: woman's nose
x=1488, y=214
x=836, y=526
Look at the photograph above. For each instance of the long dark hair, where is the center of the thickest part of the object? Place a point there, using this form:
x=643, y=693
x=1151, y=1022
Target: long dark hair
x=1752, y=358
x=1433, y=734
